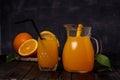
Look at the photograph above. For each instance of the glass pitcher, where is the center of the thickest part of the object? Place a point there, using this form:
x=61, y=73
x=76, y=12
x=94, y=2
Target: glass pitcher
x=78, y=52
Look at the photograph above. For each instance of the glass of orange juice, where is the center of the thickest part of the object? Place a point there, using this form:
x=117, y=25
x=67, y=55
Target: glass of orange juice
x=47, y=52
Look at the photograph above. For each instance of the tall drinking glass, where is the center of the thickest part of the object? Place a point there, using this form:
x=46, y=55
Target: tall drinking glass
x=47, y=54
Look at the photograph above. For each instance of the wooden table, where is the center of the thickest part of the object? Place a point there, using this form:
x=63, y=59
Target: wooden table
x=27, y=70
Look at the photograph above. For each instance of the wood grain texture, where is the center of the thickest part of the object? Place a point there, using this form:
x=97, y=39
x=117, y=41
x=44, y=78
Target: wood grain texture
x=27, y=70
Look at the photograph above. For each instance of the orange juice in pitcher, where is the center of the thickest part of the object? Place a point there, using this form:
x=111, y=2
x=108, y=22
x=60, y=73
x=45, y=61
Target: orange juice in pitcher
x=78, y=52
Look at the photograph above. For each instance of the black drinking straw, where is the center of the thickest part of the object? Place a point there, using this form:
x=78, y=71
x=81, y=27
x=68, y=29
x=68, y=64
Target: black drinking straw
x=27, y=20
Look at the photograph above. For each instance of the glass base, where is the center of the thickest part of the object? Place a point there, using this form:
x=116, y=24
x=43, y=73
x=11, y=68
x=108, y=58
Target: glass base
x=48, y=69
x=83, y=71
x=79, y=71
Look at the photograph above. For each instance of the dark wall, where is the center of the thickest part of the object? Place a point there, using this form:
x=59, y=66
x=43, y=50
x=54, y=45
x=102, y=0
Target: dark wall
x=102, y=15
x=0, y=39
x=0, y=28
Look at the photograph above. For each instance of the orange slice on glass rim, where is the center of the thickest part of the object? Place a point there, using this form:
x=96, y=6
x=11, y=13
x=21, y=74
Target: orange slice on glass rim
x=49, y=36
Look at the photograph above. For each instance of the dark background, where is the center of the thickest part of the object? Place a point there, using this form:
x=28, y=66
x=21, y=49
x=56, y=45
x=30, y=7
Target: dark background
x=0, y=39
x=102, y=15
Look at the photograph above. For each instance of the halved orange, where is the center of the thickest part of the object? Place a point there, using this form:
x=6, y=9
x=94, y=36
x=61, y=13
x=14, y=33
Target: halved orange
x=28, y=48
x=19, y=39
x=49, y=36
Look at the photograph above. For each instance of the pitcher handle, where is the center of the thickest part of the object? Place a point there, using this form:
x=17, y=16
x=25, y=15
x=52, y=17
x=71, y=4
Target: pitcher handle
x=97, y=44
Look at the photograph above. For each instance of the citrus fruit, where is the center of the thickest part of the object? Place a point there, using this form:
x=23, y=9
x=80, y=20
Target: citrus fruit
x=49, y=36
x=19, y=39
x=28, y=47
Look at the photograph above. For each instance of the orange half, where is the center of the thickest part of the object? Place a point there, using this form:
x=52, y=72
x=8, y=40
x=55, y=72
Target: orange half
x=28, y=47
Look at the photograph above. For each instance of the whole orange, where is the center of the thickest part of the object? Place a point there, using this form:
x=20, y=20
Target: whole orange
x=19, y=39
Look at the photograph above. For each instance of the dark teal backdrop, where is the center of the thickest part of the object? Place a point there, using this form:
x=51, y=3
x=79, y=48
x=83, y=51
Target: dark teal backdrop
x=102, y=15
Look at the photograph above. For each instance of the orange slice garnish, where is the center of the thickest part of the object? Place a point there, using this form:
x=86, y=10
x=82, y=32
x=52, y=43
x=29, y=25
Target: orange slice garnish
x=49, y=36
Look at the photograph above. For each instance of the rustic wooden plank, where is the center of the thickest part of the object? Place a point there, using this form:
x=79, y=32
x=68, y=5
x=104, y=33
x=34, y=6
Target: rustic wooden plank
x=96, y=77
x=34, y=72
x=81, y=76
x=18, y=71
x=44, y=75
x=21, y=70
x=104, y=77
x=28, y=70
x=6, y=68
x=54, y=75
x=113, y=75
x=66, y=76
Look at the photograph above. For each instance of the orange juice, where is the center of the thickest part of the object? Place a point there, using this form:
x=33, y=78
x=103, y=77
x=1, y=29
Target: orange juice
x=78, y=54
x=47, y=54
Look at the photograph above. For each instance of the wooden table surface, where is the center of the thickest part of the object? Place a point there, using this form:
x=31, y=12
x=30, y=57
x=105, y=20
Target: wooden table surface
x=27, y=70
